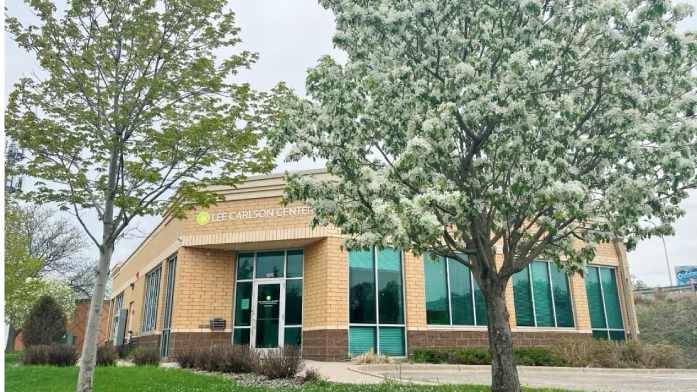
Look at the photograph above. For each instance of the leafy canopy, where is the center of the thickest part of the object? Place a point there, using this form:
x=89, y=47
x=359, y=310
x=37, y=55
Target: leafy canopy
x=24, y=278
x=455, y=126
x=45, y=324
x=134, y=90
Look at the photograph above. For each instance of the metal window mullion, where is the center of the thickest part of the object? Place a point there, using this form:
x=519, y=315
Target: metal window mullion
x=474, y=303
x=377, y=301
x=532, y=295
x=447, y=288
x=602, y=297
x=551, y=293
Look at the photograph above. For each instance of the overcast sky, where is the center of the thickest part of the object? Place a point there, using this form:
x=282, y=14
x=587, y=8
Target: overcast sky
x=290, y=36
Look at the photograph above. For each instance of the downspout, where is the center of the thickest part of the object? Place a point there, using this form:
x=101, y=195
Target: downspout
x=627, y=289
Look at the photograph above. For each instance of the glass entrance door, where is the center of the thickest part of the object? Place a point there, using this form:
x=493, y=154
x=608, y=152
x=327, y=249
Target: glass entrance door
x=268, y=314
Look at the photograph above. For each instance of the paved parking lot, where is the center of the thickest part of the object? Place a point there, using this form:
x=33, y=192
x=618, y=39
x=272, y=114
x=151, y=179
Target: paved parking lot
x=584, y=379
x=581, y=379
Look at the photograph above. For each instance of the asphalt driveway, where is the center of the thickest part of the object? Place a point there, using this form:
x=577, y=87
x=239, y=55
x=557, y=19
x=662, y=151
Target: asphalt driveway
x=584, y=379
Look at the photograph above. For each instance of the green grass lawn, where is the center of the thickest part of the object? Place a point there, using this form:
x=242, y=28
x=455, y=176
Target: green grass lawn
x=20, y=378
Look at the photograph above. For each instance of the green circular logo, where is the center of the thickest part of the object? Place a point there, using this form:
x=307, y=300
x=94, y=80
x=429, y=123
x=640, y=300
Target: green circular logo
x=203, y=217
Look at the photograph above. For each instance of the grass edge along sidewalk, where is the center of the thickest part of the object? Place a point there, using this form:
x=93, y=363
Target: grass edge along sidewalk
x=19, y=378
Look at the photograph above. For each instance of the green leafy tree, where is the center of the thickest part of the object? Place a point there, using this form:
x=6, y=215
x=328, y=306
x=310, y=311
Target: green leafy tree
x=497, y=133
x=135, y=115
x=45, y=324
x=19, y=301
x=20, y=269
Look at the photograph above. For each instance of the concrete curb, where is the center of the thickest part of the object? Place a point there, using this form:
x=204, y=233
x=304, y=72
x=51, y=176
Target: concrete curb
x=388, y=378
x=368, y=368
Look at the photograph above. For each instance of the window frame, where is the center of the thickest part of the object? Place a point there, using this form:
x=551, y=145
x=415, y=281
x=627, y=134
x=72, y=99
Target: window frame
x=376, y=325
x=252, y=279
x=151, y=313
x=473, y=296
x=552, y=298
x=607, y=330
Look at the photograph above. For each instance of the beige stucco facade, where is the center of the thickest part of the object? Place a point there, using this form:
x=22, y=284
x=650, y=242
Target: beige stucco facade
x=252, y=218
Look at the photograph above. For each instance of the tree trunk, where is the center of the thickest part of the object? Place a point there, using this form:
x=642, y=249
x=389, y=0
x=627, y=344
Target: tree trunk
x=504, y=375
x=11, y=337
x=88, y=359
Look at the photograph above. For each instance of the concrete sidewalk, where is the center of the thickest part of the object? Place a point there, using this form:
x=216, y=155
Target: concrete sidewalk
x=582, y=379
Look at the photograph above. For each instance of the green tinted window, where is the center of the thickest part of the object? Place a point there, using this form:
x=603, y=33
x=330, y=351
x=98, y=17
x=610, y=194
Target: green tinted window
x=479, y=305
x=391, y=341
x=292, y=336
x=245, y=265
x=391, y=306
x=604, y=303
x=294, y=302
x=241, y=336
x=460, y=293
x=269, y=264
x=613, y=310
x=542, y=294
x=437, y=311
x=243, y=301
x=595, y=298
x=562, y=297
x=537, y=300
x=294, y=266
x=361, y=287
x=522, y=298
x=362, y=340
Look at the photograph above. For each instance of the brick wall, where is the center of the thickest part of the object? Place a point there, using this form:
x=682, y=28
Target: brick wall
x=203, y=288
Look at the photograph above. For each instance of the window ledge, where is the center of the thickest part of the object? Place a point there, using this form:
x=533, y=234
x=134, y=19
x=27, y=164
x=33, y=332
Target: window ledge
x=456, y=328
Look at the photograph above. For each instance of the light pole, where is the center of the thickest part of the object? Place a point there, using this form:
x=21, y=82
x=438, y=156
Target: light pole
x=665, y=251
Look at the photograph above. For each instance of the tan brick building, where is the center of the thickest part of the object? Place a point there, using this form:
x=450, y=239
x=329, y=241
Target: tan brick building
x=251, y=271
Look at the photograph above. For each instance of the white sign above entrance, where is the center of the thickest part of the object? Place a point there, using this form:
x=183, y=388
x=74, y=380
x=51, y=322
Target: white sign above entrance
x=205, y=217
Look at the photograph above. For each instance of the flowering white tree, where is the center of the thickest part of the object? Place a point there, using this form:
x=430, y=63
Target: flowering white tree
x=534, y=130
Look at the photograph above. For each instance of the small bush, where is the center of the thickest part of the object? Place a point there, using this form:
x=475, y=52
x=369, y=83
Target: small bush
x=371, y=357
x=312, y=376
x=469, y=356
x=124, y=350
x=144, y=356
x=279, y=363
x=45, y=324
x=222, y=358
x=56, y=354
x=536, y=356
x=107, y=355
x=187, y=358
x=606, y=354
x=421, y=355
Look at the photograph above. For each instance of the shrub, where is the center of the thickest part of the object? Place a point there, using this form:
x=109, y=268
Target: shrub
x=371, y=357
x=536, y=356
x=602, y=353
x=56, y=354
x=421, y=355
x=107, y=355
x=143, y=356
x=460, y=356
x=469, y=356
x=279, y=363
x=670, y=320
x=312, y=376
x=45, y=324
x=222, y=358
x=187, y=358
x=124, y=350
